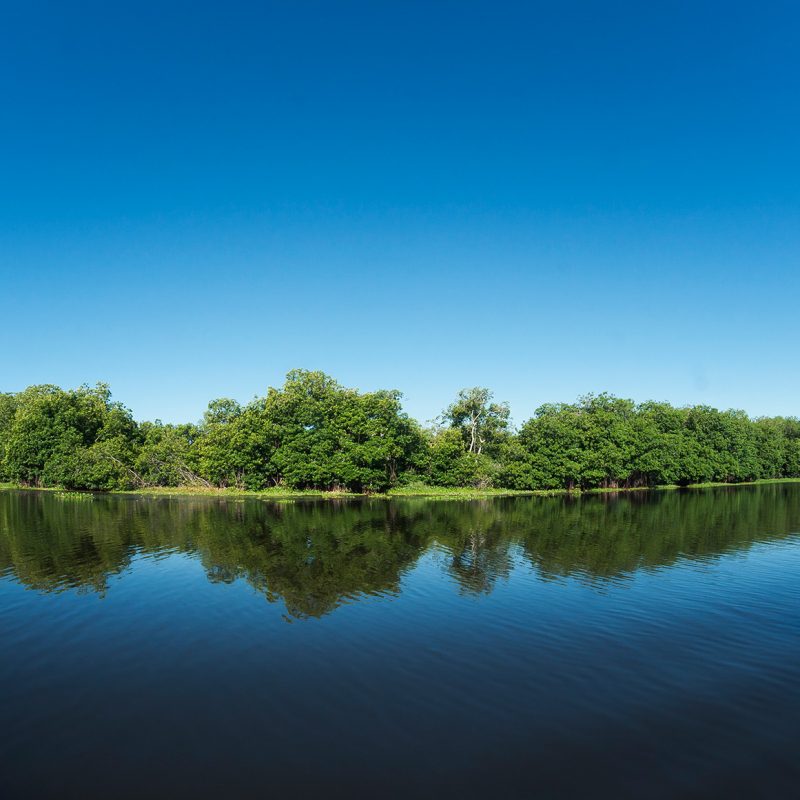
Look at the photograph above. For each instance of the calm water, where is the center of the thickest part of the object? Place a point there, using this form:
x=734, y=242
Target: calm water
x=641, y=645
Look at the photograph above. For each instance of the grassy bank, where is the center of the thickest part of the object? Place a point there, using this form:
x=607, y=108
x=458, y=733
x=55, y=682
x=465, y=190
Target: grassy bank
x=275, y=493
x=294, y=494
x=420, y=490
x=412, y=490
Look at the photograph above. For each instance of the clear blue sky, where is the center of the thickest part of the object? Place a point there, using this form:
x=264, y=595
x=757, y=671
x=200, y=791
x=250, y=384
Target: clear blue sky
x=543, y=198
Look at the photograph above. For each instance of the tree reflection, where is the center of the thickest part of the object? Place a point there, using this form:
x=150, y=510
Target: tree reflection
x=314, y=556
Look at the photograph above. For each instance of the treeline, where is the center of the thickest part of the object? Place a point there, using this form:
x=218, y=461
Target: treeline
x=315, y=434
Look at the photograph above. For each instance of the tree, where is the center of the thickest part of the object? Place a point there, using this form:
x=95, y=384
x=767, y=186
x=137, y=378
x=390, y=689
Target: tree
x=8, y=409
x=219, y=460
x=75, y=439
x=322, y=435
x=167, y=456
x=483, y=424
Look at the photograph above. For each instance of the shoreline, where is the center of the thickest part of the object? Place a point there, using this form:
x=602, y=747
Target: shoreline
x=409, y=492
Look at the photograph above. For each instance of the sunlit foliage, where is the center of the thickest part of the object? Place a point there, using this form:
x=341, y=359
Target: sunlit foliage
x=313, y=433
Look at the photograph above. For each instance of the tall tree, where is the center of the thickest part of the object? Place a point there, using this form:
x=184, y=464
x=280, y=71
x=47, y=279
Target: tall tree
x=483, y=423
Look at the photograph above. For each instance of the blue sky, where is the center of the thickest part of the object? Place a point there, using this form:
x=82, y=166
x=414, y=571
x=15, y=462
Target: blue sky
x=543, y=198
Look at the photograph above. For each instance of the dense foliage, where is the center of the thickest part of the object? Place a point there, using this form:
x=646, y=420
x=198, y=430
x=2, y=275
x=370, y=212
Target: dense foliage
x=314, y=433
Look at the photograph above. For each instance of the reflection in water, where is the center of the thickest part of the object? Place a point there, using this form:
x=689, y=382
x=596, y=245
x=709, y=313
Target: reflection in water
x=644, y=637
x=314, y=555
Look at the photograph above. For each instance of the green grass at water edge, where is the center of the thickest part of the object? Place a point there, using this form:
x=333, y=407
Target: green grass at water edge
x=80, y=496
x=276, y=493
x=417, y=490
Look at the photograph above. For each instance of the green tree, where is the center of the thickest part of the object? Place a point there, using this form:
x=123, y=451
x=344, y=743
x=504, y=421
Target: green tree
x=167, y=456
x=483, y=424
x=68, y=438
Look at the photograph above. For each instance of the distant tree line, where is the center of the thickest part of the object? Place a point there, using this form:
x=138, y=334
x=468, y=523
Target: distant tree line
x=314, y=433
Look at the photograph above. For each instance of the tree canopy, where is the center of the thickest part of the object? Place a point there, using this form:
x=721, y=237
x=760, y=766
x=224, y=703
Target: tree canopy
x=313, y=433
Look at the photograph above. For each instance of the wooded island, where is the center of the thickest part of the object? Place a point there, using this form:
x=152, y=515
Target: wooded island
x=315, y=434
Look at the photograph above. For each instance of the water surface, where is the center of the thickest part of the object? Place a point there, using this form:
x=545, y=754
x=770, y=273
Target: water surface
x=643, y=644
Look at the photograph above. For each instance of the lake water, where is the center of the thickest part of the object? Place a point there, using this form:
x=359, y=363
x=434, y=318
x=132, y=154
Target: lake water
x=632, y=645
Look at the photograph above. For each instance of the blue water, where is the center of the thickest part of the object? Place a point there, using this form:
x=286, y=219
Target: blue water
x=642, y=646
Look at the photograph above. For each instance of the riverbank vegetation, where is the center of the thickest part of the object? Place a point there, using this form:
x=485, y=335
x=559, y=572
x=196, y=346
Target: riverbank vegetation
x=314, y=435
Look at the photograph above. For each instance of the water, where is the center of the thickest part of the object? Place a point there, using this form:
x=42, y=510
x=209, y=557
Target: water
x=642, y=645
